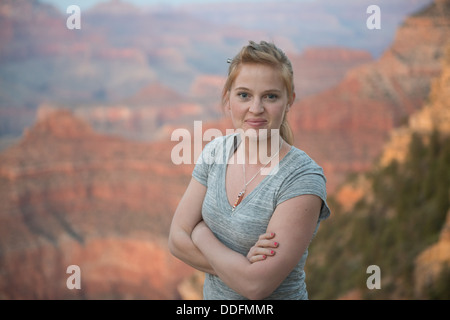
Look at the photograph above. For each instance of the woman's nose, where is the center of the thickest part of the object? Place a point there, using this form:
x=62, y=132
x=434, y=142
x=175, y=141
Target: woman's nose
x=257, y=106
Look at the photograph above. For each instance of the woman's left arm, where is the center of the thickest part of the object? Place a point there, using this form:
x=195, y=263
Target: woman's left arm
x=293, y=222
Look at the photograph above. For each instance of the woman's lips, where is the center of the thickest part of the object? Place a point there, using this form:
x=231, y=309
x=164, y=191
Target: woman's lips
x=255, y=123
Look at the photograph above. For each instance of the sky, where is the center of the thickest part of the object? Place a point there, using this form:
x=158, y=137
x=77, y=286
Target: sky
x=86, y=4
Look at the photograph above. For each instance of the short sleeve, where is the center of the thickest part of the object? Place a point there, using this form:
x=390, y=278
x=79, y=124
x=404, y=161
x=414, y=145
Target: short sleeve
x=307, y=179
x=207, y=158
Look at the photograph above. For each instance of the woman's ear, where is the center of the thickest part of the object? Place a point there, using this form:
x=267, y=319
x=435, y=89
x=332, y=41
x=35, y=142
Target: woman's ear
x=290, y=102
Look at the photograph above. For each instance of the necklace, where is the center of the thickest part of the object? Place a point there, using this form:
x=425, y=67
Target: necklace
x=242, y=192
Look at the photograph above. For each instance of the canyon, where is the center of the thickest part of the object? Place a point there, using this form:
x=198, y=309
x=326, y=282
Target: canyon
x=92, y=183
x=432, y=256
x=71, y=196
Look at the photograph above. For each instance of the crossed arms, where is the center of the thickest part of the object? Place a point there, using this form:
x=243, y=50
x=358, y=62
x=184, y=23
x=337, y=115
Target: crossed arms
x=268, y=262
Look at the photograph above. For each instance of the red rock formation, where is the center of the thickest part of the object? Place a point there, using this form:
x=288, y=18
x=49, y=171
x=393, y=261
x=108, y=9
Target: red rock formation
x=70, y=196
x=345, y=127
x=434, y=115
x=318, y=69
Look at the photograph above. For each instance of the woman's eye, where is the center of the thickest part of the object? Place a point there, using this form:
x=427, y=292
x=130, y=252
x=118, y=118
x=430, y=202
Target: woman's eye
x=271, y=96
x=243, y=95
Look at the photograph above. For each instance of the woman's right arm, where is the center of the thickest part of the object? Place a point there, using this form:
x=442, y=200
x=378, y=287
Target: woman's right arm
x=187, y=215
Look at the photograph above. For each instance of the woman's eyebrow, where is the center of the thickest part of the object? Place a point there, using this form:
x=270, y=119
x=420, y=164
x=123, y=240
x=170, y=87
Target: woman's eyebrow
x=242, y=88
x=274, y=90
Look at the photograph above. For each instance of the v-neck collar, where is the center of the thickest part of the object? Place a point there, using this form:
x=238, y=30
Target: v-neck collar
x=226, y=206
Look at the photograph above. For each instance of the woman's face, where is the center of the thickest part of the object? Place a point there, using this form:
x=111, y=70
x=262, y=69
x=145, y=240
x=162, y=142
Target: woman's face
x=258, y=99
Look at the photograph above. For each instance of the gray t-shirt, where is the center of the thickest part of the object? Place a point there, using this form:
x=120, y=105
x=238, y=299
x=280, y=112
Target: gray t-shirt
x=239, y=230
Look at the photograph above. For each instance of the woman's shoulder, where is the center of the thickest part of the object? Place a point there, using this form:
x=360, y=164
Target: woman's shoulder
x=300, y=158
x=300, y=163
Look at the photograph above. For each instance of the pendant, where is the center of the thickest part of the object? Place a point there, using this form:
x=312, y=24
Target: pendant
x=238, y=199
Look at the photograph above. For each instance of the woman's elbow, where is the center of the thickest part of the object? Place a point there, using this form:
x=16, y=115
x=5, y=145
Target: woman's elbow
x=259, y=292
x=172, y=244
x=175, y=239
x=259, y=288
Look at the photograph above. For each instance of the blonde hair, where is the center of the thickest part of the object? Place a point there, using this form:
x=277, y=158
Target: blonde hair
x=268, y=54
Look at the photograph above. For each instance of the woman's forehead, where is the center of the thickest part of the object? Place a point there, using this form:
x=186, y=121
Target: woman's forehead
x=259, y=75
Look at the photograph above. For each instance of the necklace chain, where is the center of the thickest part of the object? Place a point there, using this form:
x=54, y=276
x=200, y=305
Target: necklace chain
x=242, y=192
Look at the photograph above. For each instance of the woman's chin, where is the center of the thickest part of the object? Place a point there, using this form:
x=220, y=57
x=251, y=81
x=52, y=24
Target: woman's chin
x=261, y=134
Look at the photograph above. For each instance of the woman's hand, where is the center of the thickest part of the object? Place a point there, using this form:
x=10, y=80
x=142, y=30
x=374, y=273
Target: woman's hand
x=263, y=248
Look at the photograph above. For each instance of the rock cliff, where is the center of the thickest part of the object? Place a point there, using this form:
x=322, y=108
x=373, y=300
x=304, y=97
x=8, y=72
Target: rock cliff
x=434, y=261
x=345, y=127
x=435, y=115
x=70, y=196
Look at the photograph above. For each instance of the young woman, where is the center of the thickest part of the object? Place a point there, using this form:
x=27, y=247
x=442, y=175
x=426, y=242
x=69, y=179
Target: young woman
x=247, y=218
